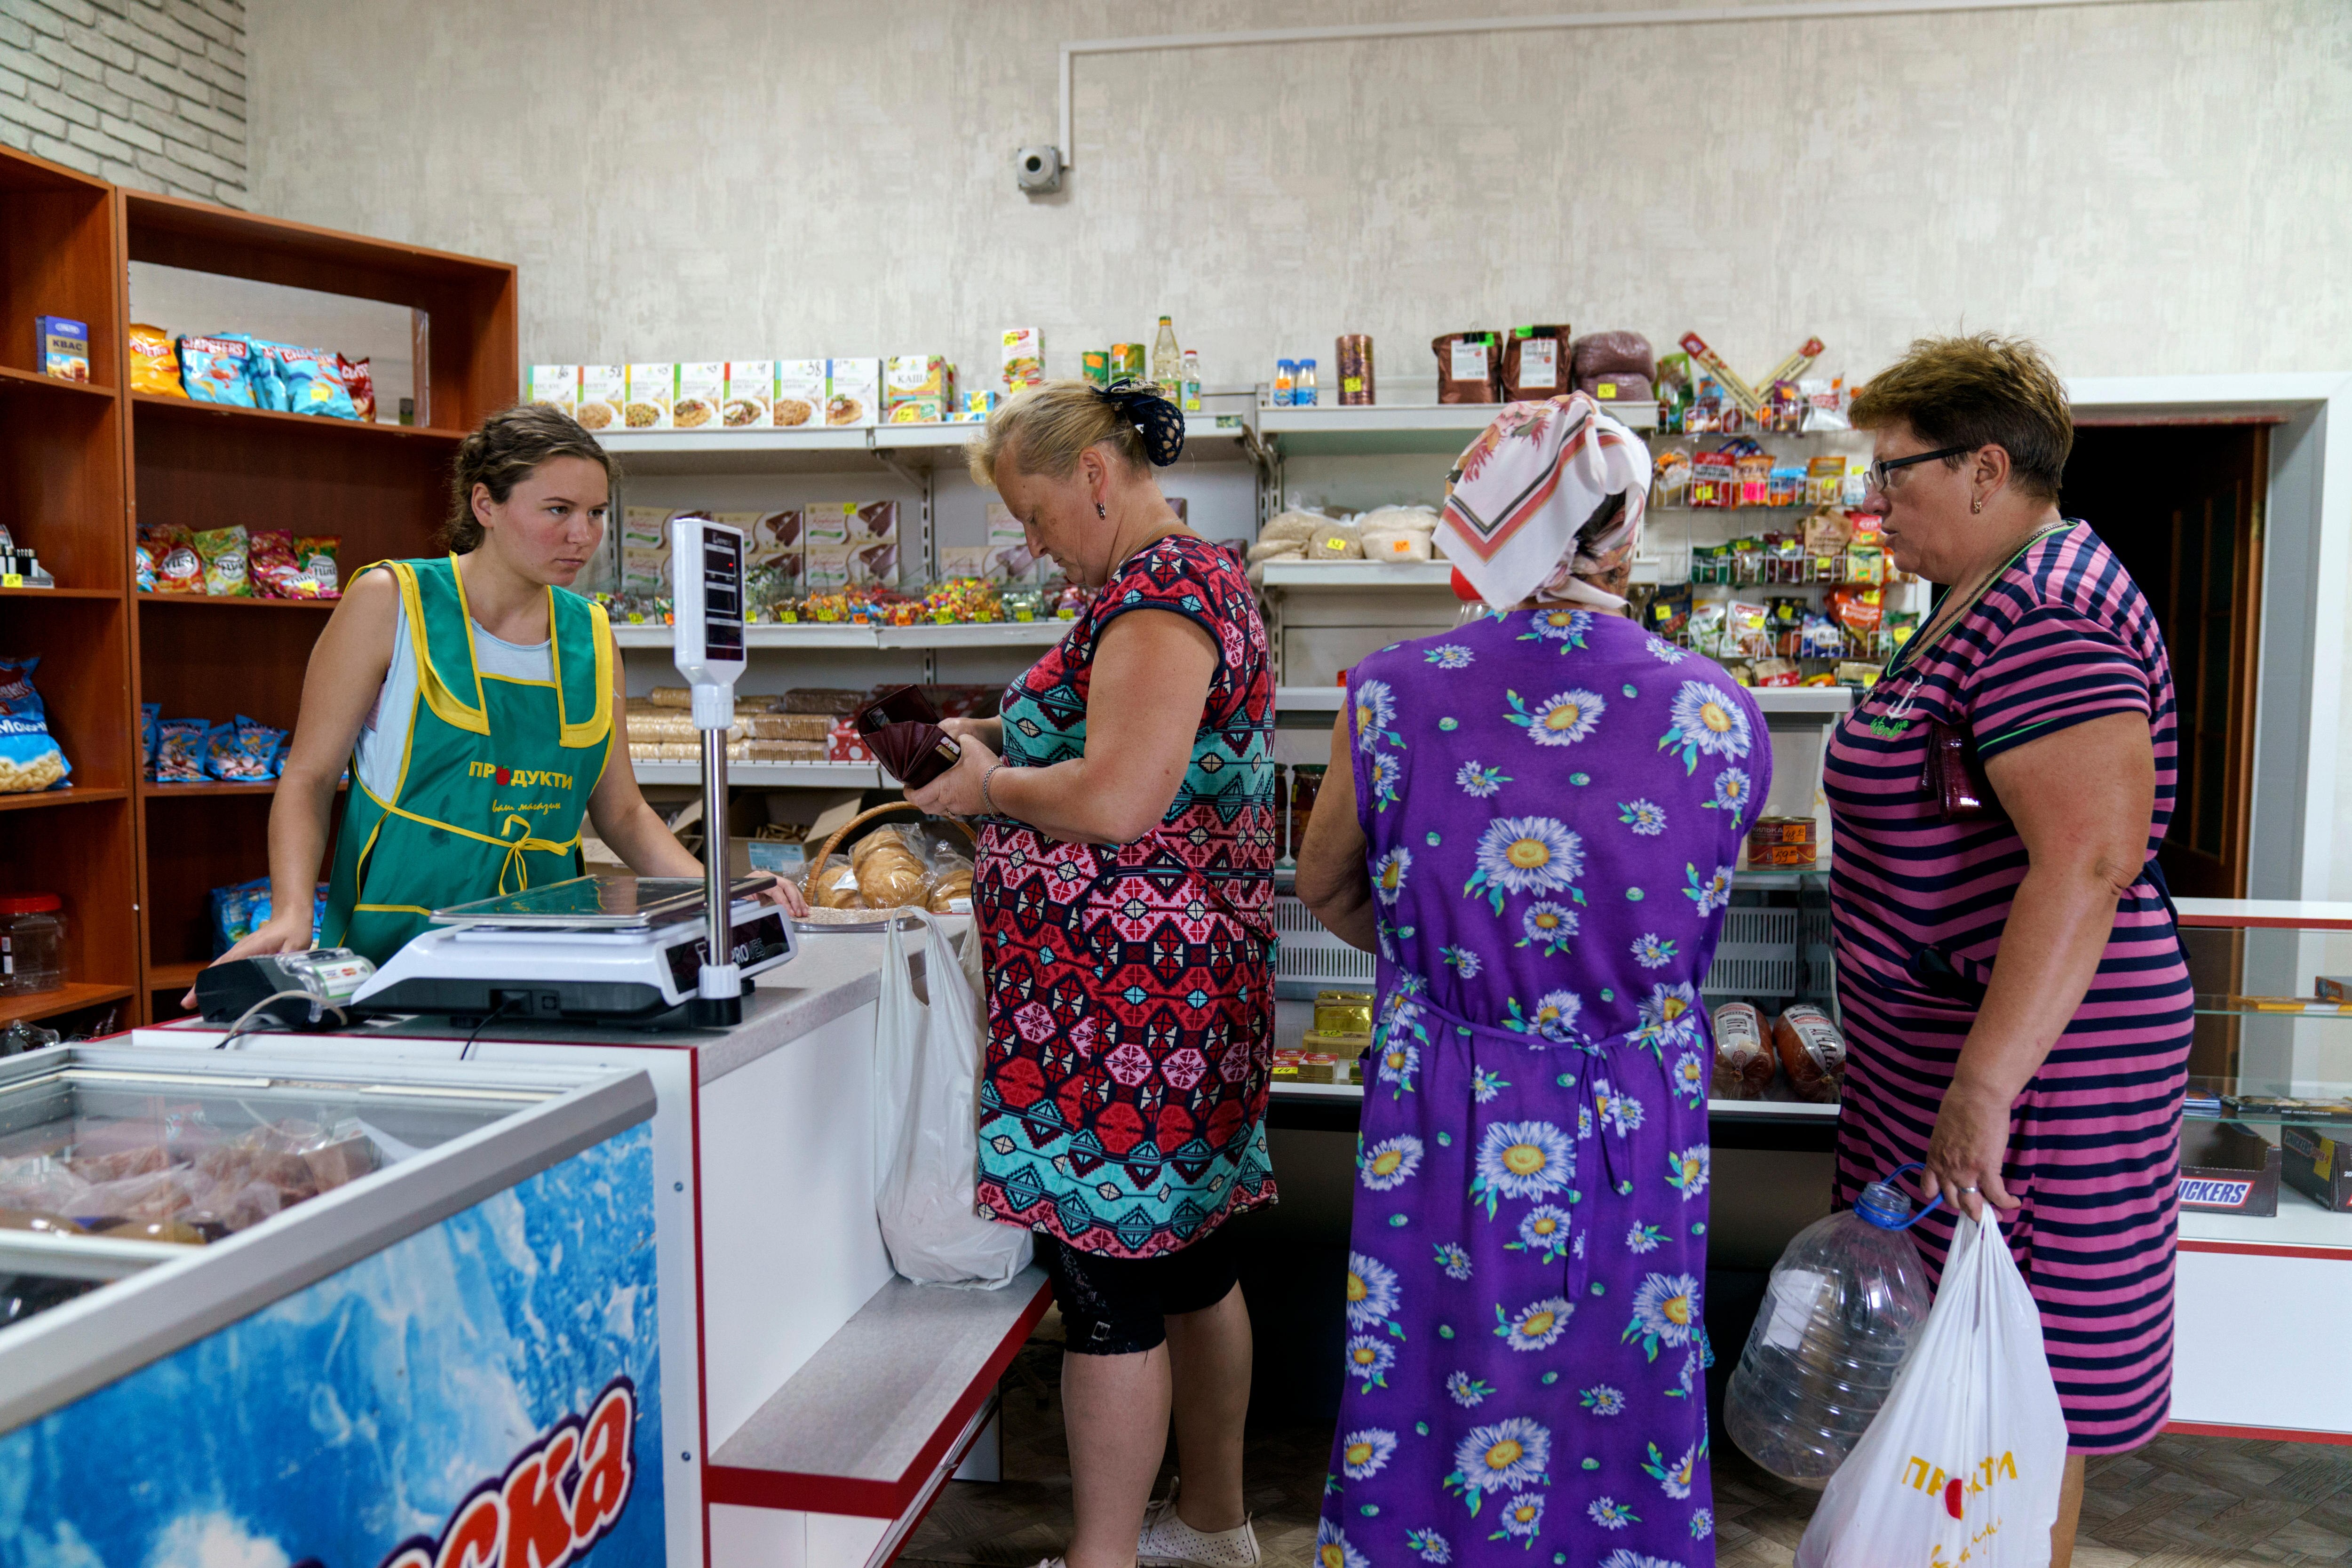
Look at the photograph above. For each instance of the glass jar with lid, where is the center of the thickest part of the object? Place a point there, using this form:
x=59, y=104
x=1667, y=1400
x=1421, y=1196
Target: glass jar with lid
x=32, y=942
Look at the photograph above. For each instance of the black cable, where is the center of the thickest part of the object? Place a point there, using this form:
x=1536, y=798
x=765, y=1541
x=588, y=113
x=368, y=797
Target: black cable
x=488, y=1018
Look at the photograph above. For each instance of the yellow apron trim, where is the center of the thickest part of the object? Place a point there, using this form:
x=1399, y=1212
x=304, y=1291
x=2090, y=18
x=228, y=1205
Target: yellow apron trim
x=514, y=863
x=391, y=910
x=591, y=730
x=445, y=704
x=466, y=619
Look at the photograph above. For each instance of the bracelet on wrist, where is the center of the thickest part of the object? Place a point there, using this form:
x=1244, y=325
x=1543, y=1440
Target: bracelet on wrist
x=987, y=778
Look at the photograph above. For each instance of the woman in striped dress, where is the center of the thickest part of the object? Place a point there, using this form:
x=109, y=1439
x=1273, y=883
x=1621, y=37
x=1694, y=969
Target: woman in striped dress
x=2015, y=997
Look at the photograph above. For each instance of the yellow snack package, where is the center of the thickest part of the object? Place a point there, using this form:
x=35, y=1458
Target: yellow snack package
x=154, y=361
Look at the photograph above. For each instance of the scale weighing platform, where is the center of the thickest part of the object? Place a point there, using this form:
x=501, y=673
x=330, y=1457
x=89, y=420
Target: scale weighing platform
x=608, y=949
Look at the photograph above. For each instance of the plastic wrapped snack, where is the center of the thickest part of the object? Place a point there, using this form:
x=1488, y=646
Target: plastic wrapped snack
x=218, y=370
x=177, y=566
x=1743, y=1056
x=1812, y=1052
x=155, y=363
x=359, y=380
x=150, y=726
x=179, y=750
x=226, y=569
x=835, y=887
x=318, y=566
x=30, y=758
x=309, y=381
x=245, y=752
x=890, y=867
x=269, y=562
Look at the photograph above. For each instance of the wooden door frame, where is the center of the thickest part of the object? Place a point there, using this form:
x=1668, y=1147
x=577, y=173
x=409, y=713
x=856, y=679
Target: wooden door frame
x=2301, y=750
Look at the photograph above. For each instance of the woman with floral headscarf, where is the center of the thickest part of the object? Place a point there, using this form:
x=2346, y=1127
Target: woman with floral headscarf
x=1532, y=820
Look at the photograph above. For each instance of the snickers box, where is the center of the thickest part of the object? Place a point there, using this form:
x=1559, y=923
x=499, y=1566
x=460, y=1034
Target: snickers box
x=2227, y=1167
x=2318, y=1166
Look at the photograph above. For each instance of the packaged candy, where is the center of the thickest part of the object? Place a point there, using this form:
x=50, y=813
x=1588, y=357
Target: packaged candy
x=142, y=569
x=270, y=563
x=318, y=573
x=155, y=363
x=178, y=569
x=1746, y=626
x=1825, y=404
x=1821, y=638
x=224, y=551
x=1706, y=627
x=1776, y=672
x=1670, y=612
x=151, y=723
x=359, y=380
x=218, y=370
x=179, y=750
x=30, y=758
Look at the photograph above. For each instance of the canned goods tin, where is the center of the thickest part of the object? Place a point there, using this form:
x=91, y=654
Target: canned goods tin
x=1760, y=855
x=1126, y=362
x=1096, y=364
x=1782, y=830
x=1354, y=354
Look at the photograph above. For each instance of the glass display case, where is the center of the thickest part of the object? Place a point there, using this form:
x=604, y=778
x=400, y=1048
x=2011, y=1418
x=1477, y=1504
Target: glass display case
x=404, y=1279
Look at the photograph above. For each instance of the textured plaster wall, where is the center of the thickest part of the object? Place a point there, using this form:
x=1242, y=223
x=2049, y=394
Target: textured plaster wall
x=2147, y=187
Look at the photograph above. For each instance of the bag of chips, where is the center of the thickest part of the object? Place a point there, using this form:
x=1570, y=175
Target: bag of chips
x=218, y=370
x=172, y=551
x=155, y=363
x=30, y=758
x=142, y=568
x=268, y=385
x=238, y=911
x=226, y=570
x=151, y=723
x=311, y=380
x=318, y=563
x=179, y=750
x=271, y=564
x=359, y=380
x=244, y=752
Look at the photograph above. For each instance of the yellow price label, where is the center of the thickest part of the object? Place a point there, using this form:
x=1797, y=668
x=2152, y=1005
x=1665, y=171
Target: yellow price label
x=1606, y=389
x=11, y=579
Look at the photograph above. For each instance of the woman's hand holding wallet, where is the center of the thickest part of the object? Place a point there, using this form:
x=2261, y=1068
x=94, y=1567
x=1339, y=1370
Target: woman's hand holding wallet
x=957, y=792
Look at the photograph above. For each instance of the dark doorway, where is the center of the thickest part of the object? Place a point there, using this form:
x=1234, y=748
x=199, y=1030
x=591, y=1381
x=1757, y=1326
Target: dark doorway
x=2181, y=507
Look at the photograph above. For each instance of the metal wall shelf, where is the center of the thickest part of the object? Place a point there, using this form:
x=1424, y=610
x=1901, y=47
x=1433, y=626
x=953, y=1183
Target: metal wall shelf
x=813, y=635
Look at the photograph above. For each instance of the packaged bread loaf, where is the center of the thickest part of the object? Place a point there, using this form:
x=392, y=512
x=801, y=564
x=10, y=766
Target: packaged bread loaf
x=1743, y=1058
x=1812, y=1052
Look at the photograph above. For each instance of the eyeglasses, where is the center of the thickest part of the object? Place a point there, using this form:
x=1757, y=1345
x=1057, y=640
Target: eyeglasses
x=1882, y=468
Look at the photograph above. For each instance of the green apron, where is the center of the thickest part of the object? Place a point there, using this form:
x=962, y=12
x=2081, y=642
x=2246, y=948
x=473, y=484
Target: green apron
x=495, y=776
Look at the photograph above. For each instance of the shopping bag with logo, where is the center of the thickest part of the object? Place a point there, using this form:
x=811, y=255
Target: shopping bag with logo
x=926, y=1099
x=1963, y=1464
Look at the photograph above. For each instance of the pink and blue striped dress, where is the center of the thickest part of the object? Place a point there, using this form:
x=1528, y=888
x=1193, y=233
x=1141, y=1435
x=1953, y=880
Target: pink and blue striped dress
x=2063, y=637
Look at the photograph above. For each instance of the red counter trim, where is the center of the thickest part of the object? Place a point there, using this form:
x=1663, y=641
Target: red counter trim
x=2268, y=1434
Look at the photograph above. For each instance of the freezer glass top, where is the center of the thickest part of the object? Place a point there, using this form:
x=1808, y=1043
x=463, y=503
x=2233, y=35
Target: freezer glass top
x=190, y=1157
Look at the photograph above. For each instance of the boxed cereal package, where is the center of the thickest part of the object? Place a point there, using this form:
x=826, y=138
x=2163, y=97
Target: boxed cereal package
x=855, y=392
x=1024, y=358
x=916, y=378
x=652, y=389
x=800, y=392
x=701, y=389
x=751, y=394
x=603, y=389
x=557, y=385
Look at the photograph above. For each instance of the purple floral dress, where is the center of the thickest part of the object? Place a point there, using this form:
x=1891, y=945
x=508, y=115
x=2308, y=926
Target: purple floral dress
x=1553, y=802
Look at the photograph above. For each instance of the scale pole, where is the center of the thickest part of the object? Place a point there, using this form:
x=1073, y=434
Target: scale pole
x=718, y=904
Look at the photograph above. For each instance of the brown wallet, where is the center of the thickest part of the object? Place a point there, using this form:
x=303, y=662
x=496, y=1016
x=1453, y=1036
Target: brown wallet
x=1954, y=778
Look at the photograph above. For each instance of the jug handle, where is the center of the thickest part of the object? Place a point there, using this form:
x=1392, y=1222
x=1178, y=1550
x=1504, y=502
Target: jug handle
x=1933, y=1204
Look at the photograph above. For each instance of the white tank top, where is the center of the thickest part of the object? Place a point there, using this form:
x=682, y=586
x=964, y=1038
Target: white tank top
x=383, y=739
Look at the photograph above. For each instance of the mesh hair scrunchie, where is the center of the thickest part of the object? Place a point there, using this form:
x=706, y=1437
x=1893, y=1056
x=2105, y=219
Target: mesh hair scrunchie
x=1159, y=422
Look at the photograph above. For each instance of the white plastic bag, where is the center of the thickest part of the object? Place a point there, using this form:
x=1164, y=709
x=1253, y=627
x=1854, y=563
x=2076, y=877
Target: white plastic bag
x=1964, y=1462
x=926, y=1077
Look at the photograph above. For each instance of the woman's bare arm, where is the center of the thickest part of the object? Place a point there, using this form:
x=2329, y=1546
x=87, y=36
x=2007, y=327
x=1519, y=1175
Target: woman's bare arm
x=1333, y=881
x=1150, y=682
x=2082, y=799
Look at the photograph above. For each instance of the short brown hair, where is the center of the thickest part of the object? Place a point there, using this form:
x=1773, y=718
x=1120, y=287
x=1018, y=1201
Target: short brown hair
x=502, y=453
x=1047, y=427
x=1983, y=391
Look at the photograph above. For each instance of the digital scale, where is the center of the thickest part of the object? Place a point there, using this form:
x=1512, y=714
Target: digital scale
x=621, y=949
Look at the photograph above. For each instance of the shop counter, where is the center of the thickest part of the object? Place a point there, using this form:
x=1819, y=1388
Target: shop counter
x=415, y=1320
x=764, y=1170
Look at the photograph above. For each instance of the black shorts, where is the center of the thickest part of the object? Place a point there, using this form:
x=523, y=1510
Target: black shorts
x=1116, y=1306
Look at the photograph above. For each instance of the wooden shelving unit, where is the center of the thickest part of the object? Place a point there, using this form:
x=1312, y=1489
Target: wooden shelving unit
x=81, y=465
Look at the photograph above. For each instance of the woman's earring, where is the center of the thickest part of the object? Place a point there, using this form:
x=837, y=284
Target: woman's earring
x=1100, y=512
x=1976, y=506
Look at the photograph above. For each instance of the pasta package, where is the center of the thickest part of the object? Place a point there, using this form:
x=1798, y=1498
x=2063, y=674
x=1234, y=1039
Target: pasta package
x=218, y=370
x=603, y=390
x=1743, y=1058
x=226, y=554
x=155, y=363
x=30, y=757
x=1812, y=1052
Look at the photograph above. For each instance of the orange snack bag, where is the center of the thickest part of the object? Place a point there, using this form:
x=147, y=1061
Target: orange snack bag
x=154, y=361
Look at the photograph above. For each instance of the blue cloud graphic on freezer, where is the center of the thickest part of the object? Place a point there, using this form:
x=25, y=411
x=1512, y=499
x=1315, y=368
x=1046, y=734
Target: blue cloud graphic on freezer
x=391, y=1415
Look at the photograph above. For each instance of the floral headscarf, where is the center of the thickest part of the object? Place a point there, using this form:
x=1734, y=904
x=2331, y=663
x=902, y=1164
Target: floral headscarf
x=1550, y=493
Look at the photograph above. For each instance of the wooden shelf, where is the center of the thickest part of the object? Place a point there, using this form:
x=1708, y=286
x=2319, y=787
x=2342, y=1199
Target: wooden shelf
x=72, y=794
x=10, y=378
x=175, y=977
x=150, y=790
x=164, y=401
x=70, y=997
x=230, y=602
x=51, y=593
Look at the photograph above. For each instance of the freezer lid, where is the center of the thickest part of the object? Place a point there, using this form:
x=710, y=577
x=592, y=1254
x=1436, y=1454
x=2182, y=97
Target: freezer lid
x=70, y=1349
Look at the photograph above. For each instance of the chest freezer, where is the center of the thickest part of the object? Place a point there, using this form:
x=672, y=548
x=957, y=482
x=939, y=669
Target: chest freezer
x=291, y=1309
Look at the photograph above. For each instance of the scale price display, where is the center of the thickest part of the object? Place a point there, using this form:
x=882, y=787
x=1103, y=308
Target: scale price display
x=707, y=569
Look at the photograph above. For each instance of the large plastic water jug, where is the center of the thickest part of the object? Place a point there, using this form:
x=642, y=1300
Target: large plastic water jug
x=1841, y=1310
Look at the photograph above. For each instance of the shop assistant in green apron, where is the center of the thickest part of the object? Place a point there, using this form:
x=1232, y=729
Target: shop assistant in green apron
x=495, y=774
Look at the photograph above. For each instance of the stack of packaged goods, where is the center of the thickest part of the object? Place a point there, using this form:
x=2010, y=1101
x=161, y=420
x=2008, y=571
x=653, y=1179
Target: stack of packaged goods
x=721, y=396
x=661, y=730
x=241, y=371
x=239, y=910
x=237, y=562
x=197, y=751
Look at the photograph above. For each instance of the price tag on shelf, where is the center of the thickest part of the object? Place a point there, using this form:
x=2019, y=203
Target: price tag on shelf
x=11, y=579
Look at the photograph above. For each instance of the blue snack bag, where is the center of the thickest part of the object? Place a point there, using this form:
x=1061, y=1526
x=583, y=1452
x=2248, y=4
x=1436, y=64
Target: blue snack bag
x=150, y=728
x=30, y=758
x=269, y=384
x=218, y=370
x=310, y=380
x=319, y=917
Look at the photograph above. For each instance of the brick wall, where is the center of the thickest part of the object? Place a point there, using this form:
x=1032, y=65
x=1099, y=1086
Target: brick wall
x=146, y=93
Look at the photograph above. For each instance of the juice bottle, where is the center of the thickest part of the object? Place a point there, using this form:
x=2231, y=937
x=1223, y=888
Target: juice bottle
x=1285, y=378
